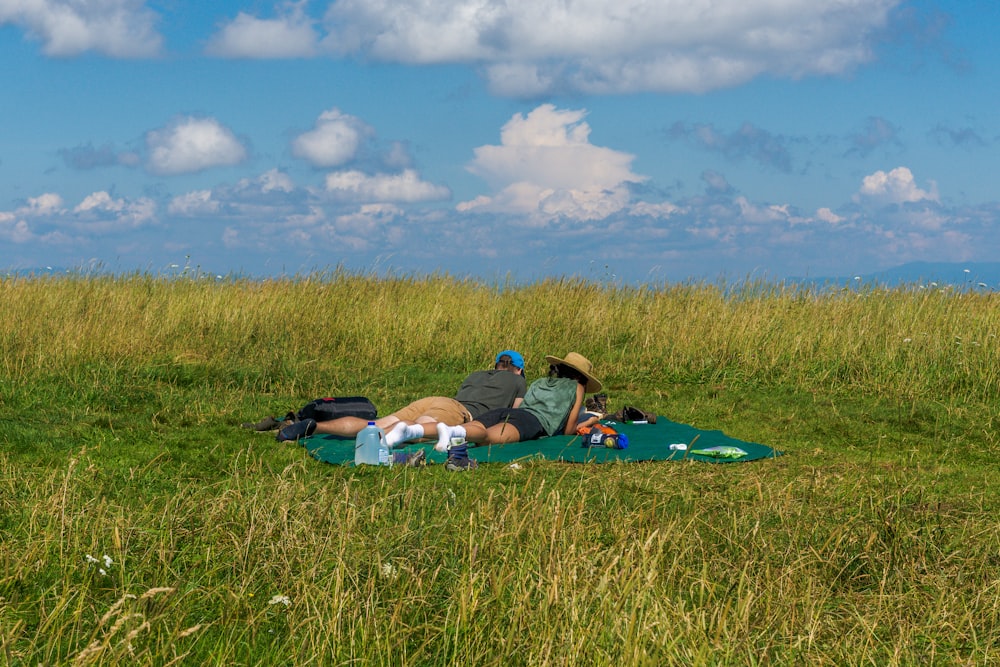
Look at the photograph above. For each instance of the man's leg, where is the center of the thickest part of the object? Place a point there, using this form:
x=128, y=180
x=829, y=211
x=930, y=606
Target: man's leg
x=346, y=427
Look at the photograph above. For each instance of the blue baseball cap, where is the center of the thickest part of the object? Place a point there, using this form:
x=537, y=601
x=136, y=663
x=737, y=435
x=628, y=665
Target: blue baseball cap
x=515, y=358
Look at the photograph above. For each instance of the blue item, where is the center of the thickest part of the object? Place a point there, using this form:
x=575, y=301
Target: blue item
x=597, y=438
x=515, y=358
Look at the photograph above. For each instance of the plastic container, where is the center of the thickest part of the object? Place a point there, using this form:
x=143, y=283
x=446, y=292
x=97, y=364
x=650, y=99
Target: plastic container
x=370, y=447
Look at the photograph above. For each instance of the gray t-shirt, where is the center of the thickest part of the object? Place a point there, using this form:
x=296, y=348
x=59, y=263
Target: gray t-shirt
x=488, y=390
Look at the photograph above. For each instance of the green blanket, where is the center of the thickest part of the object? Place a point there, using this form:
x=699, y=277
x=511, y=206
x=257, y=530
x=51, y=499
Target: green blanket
x=647, y=442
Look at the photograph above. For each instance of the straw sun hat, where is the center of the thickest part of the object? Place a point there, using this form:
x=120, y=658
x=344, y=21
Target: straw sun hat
x=582, y=364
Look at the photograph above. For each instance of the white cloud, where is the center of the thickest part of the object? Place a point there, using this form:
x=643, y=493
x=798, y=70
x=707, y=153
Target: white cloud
x=46, y=220
x=334, y=140
x=661, y=210
x=100, y=212
x=99, y=201
x=826, y=215
x=20, y=232
x=49, y=203
x=367, y=219
x=119, y=28
x=406, y=186
x=271, y=195
x=14, y=225
x=198, y=202
x=274, y=181
x=290, y=35
x=545, y=166
x=761, y=214
x=895, y=187
x=611, y=46
x=192, y=144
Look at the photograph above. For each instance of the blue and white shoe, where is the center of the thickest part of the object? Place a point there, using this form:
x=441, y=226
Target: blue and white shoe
x=458, y=458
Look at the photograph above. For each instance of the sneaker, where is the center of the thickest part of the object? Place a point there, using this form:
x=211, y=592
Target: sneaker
x=456, y=464
x=416, y=459
x=298, y=430
x=598, y=403
x=458, y=458
x=268, y=423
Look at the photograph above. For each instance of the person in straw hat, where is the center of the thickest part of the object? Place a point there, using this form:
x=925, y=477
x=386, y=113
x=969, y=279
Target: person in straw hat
x=551, y=406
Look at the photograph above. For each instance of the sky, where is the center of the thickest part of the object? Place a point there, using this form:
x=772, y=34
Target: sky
x=639, y=141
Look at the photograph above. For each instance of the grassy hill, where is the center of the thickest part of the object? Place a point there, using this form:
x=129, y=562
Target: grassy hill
x=141, y=525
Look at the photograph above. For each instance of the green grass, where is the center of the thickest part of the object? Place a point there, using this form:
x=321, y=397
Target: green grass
x=873, y=541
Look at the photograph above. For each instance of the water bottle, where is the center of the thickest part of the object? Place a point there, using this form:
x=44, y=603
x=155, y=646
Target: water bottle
x=370, y=447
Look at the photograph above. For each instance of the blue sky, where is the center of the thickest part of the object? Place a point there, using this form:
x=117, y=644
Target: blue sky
x=638, y=140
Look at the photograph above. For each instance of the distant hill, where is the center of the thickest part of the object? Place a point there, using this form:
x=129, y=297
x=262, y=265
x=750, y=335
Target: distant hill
x=971, y=275
x=963, y=275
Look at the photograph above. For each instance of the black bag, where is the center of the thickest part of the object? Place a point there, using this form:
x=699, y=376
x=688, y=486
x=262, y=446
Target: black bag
x=631, y=414
x=325, y=409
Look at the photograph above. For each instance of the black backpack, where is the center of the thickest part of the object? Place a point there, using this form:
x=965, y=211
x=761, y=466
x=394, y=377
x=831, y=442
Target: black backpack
x=325, y=409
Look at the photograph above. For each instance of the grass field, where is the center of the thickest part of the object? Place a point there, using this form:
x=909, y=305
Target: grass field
x=141, y=525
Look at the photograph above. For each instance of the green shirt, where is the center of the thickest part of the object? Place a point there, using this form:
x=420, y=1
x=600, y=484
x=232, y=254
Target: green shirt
x=550, y=399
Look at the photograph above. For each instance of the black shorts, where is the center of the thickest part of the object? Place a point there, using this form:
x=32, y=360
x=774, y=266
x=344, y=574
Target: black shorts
x=527, y=424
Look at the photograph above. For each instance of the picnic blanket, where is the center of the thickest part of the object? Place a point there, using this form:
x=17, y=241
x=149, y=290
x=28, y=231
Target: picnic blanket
x=647, y=442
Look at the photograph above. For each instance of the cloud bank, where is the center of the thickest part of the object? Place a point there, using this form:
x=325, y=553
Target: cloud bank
x=549, y=198
x=118, y=28
x=524, y=48
x=527, y=48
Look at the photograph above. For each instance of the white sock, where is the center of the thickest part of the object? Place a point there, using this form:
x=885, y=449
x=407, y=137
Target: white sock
x=444, y=437
x=403, y=432
x=415, y=432
x=396, y=434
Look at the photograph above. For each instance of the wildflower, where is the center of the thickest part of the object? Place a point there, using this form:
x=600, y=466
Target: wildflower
x=280, y=599
x=102, y=564
x=389, y=571
x=907, y=340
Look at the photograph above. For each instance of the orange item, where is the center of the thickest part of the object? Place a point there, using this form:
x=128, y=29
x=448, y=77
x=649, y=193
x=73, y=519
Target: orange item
x=587, y=430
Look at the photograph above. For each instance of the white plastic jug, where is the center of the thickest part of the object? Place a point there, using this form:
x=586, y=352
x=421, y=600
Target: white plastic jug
x=370, y=448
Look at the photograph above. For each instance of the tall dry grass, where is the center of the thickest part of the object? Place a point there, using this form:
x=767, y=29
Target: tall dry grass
x=906, y=342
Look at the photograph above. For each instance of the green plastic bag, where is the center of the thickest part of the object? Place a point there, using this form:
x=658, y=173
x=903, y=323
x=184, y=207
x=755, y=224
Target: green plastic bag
x=720, y=452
